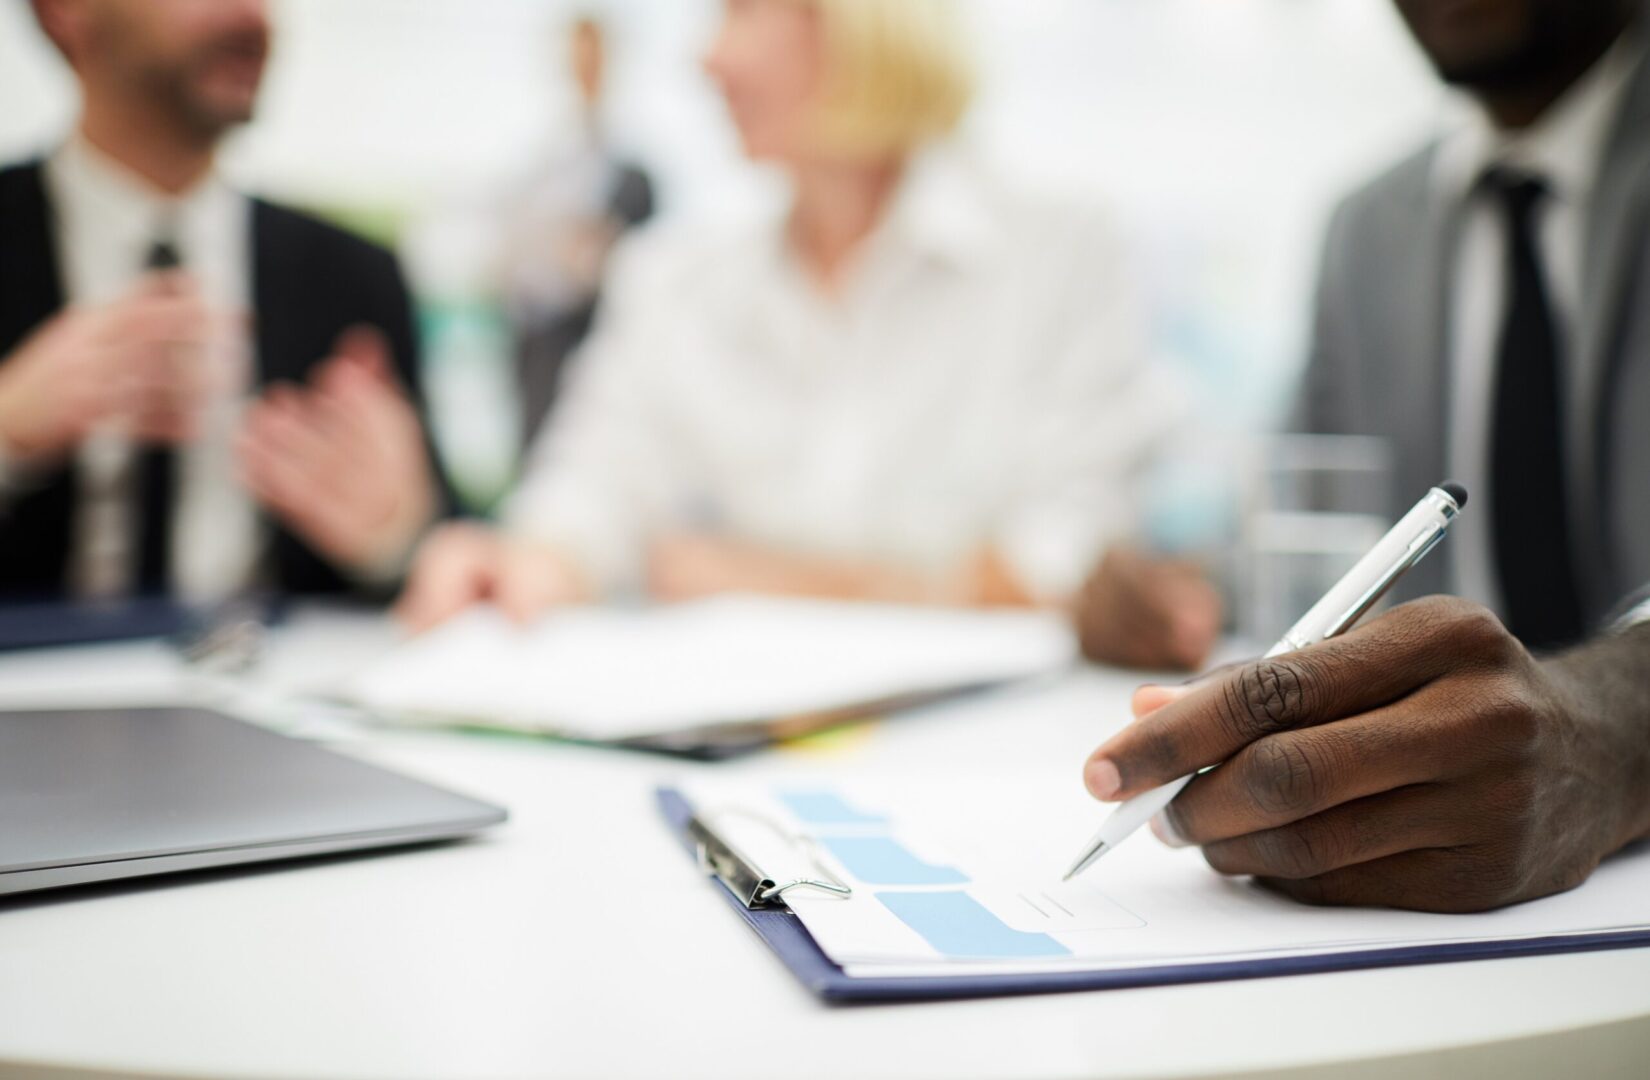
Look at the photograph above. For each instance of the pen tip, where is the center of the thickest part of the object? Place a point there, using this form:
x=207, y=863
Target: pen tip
x=1088, y=860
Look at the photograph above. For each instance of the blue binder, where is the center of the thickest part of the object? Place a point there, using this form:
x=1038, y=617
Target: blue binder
x=46, y=624
x=791, y=942
x=49, y=624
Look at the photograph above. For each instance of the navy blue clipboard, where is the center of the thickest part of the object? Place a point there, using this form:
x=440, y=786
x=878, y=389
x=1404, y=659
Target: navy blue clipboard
x=790, y=941
x=51, y=624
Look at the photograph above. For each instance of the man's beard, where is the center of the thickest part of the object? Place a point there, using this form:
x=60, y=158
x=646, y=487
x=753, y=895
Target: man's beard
x=1547, y=46
x=178, y=88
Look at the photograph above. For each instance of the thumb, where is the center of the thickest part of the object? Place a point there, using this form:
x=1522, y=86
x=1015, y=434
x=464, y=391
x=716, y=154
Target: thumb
x=366, y=348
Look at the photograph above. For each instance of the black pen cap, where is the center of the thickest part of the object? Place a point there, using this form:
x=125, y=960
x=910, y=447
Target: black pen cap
x=1456, y=492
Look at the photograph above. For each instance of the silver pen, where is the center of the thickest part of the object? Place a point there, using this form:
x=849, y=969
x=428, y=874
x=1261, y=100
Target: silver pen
x=1406, y=544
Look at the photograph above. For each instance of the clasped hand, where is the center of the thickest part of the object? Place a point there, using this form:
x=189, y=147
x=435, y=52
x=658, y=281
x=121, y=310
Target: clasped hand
x=341, y=460
x=139, y=366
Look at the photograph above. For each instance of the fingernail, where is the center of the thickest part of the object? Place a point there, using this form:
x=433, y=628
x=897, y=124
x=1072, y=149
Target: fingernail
x=1165, y=831
x=1102, y=778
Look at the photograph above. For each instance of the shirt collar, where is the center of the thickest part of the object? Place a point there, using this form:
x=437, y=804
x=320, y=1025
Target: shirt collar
x=125, y=209
x=943, y=208
x=1565, y=147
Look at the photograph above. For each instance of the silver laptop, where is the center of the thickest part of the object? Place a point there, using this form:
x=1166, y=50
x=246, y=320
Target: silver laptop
x=94, y=795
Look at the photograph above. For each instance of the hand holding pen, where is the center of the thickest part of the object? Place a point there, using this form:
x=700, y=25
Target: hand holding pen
x=1425, y=760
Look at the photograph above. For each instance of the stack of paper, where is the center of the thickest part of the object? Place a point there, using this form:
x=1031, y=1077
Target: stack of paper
x=963, y=879
x=611, y=674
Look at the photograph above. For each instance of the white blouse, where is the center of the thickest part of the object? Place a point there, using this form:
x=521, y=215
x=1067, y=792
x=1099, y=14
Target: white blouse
x=982, y=379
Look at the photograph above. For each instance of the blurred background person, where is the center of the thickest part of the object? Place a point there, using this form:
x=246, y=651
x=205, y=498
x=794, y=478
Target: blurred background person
x=1482, y=306
x=560, y=228
x=1478, y=313
x=1184, y=115
x=1143, y=610
x=912, y=384
x=200, y=392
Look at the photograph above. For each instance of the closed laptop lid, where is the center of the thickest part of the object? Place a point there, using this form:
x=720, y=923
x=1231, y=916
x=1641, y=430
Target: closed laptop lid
x=105, y=788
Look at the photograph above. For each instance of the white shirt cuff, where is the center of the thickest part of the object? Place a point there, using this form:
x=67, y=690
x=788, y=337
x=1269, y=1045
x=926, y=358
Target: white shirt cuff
x=1635, y=617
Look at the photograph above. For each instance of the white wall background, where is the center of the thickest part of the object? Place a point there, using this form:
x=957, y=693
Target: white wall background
x=1220, y=130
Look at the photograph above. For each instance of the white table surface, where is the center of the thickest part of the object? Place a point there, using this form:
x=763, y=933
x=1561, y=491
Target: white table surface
x=579, y=941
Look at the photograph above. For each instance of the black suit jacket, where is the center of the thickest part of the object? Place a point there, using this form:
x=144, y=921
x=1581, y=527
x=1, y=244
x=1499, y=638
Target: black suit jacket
x=309, y=282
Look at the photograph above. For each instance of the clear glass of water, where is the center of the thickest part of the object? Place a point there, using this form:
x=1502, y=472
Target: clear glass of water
x=1314, y=505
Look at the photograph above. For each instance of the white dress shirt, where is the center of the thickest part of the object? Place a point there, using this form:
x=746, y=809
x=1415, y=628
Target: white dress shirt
x=107, y=220
x=1565, y=150
x=981, y=379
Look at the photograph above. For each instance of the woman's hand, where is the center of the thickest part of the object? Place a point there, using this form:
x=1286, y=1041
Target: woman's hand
x=464, y=564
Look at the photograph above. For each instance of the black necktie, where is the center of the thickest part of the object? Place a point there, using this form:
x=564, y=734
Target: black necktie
x=154, y=478
x=1534, y=555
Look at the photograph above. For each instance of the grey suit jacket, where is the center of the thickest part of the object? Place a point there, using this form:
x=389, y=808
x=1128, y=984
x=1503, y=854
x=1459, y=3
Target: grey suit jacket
x=1380, y=365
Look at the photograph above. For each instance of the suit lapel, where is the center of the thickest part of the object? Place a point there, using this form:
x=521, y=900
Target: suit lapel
x=274, y=298
x=31, y=283
x=1421, y=356
x=1407, y=251
x=36, y=540
x=1615, y=229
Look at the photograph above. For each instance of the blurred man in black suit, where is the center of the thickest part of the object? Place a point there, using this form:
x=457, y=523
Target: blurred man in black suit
x=201, y=393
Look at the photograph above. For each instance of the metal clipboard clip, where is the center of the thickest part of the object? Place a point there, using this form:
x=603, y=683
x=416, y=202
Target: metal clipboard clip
x=753, y=886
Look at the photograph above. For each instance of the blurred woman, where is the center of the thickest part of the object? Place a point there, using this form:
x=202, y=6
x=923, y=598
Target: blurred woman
x=911, y=385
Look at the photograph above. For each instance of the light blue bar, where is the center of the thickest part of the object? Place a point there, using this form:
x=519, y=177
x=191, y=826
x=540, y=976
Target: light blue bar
x=877, y=860
x=826, y=808
x=959, y=926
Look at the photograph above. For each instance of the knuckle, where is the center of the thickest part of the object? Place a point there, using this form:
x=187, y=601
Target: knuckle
x=1471, y=629
x=1479, y=881
x=1266, y=698
x=1506, y=714
x=1283, y=777
x=1513, y=817
x=1302, y=851
x=1478, y=631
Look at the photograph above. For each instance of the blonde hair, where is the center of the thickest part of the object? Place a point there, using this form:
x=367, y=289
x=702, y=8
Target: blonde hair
x=898, y=73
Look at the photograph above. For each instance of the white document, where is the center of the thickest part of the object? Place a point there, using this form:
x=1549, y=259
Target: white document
x=606, y=673
x=963, y=877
